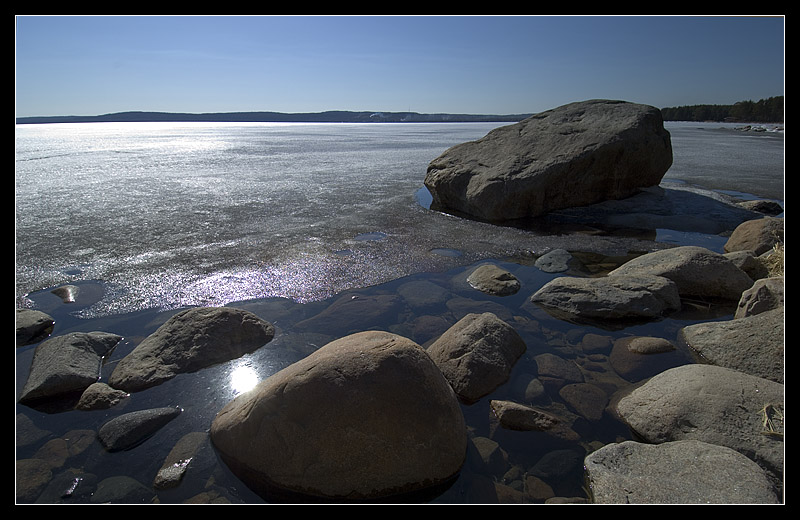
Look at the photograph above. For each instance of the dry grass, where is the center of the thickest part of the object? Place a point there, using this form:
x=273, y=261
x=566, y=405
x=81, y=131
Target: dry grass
x=772, y=420
x=774, y=261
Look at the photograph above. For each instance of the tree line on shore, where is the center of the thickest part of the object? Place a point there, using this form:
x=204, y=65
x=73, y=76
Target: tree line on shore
x=768, y=110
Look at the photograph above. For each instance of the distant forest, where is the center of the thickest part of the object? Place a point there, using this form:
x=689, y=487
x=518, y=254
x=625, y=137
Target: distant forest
x=768, y=110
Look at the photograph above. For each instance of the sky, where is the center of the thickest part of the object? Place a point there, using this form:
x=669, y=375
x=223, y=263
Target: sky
x=92, y=65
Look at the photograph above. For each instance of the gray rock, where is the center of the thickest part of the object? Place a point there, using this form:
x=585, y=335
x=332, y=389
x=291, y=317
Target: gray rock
x=586, y=399
x=133, y=428
x=680, y=472
x=175, y=465
x=493, y=458
x=353, y=313
x=99, y=396
x=515, y=416
x=767, y=207
x=557, y=464
x=759, y=235
x=638, y=357
x=189, y=341
x=556, y=371
x=637, y=296
x=572, y=155
x=422, y=294
x=460, y=307
x=27, y=431
x=711, y=404
x=122, y=490
x=364, y=417
x=696, y=271
x=477, y=354
x=65, y=365
x=494, y=280
x=67, y=293
x=71, y=486
x=33, y=326
x=555, y=261
x=748, y=262
x=765, y=294
x=32, y=476
x=753, y=345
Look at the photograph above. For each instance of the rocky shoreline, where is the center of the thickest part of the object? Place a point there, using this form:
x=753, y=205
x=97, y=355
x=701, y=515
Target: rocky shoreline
x=503, y=383
x=722, y=409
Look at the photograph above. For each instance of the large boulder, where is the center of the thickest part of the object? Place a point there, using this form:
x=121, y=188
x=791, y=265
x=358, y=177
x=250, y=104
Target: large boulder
x=711, y=404
x=477, y=354
x=573, y=155
x=365, y=417
x=189, y=341
x=680, y=472
x=754, y=344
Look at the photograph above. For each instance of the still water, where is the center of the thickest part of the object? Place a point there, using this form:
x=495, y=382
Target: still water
x=282, y=220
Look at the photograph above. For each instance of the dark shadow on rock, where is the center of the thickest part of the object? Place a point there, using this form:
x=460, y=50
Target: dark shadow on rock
x=674, y=207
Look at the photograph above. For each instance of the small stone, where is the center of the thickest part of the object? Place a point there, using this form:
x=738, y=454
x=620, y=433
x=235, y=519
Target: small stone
x=494, y=280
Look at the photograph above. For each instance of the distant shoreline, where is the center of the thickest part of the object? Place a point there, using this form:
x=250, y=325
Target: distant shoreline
x=334, y=116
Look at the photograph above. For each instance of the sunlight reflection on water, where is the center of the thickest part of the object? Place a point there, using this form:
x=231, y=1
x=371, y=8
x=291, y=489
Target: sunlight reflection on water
x=243, y=378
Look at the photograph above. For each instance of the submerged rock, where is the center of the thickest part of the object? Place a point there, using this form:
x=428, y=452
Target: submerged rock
x=353, y=312
x=477, y=354
x=191, y=340
x=638, y=357
x=515, y=416
x=178, y=460
x=573, y=155
x=365, y=417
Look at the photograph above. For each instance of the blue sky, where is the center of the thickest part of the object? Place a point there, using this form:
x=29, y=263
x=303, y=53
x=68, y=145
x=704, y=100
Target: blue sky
x=79, y=65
